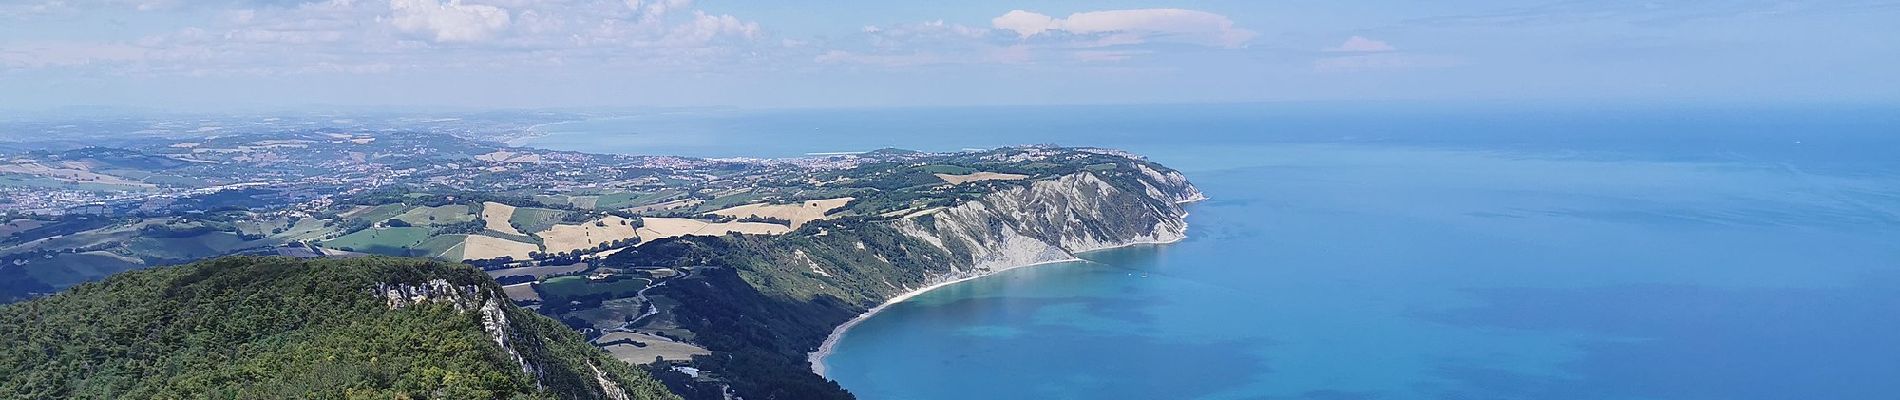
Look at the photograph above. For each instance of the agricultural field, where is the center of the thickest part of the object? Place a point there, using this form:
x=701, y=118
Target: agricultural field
x=539, y=272
x=534, y=220
x=20, y=225
x=482, y=247
x=611, y=314
x=732, y=200
x=798, y=213
x=499, y=218
x=79, y=239
x=306, y=229
x=210, y=244
x=681, y=204
x=445, y=247
x=578, y=286
x=378, y=213
x=385, y=241
x=640, y=348
x=588, y=235
x=947, y=169
x=581, y=201
x=656, y=228
x=431, y=216
x=620, y=200
x=521, y=292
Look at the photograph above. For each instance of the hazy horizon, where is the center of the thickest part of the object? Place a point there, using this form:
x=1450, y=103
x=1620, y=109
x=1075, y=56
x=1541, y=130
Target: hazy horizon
x=512, y=54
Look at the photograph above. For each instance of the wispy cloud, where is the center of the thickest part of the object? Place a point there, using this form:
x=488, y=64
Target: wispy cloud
x=1021, y=37
x=1647, y=12
x=1384, y=61
x=1360, y=44
x=1132, y=26
x=388, y=35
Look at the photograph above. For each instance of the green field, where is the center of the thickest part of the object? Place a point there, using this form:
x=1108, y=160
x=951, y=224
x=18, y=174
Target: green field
x=66, y=269
x=531, y=220
x=576, y=286
x=305, y=229
x=385, y=241
x=446, y=247
x=83, y=239
x=380, y=213
x=188, y=248
x=444, y=215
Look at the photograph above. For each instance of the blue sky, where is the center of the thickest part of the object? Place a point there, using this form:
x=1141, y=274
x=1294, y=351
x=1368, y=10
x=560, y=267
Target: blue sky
x=605, y=53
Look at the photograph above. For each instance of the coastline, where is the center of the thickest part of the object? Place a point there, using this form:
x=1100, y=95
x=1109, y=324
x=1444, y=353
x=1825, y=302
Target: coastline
x=817, y=357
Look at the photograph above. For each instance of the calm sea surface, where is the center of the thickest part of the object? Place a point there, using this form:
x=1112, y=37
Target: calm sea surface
x=1403, y=252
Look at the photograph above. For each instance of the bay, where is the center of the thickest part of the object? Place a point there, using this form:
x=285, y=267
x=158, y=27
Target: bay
x=1402, y=252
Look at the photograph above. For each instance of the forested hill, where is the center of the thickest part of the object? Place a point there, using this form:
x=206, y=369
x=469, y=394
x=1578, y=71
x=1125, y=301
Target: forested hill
x=268, y=328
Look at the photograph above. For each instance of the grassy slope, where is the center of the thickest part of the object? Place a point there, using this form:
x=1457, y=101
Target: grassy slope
x=386, y=241
x=444, y=215
x=243, y=327
x=533, y=220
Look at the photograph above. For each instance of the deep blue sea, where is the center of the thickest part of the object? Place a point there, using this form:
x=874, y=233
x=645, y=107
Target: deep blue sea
x=1393, y=251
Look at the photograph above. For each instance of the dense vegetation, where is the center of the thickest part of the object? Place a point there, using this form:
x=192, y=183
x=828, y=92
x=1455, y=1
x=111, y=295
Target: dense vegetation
x=245, y=327
x=760, y=308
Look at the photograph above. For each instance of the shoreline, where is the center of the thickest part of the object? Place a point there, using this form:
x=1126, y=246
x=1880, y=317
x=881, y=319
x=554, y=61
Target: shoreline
x=817, y=357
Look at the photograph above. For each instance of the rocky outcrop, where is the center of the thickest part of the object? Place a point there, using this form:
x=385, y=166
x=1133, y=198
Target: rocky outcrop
x=607, y=385
x=1046, y=221
x=465, y=298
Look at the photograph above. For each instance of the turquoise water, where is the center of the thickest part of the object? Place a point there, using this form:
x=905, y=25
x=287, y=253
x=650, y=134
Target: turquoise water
x=1418, y=253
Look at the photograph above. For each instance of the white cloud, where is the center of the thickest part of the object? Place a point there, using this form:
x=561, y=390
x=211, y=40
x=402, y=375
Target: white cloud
x=448, y=22
x=1158, y=24
x=1025, y=23
x=1360, y=44
x=284, y=37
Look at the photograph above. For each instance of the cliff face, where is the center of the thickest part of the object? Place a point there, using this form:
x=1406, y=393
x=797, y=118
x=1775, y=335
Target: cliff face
x=764, y=303
x=1052, y=220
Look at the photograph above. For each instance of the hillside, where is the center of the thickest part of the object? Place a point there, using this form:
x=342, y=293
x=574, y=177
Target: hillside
x=762, y=304
x=720, y=277
x=248, y=327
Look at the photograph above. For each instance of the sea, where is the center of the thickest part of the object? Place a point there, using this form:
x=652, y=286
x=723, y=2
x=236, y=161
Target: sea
x=1400, y=251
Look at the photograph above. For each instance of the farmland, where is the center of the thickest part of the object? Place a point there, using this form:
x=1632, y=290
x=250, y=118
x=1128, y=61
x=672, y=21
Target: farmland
x=386, y=241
